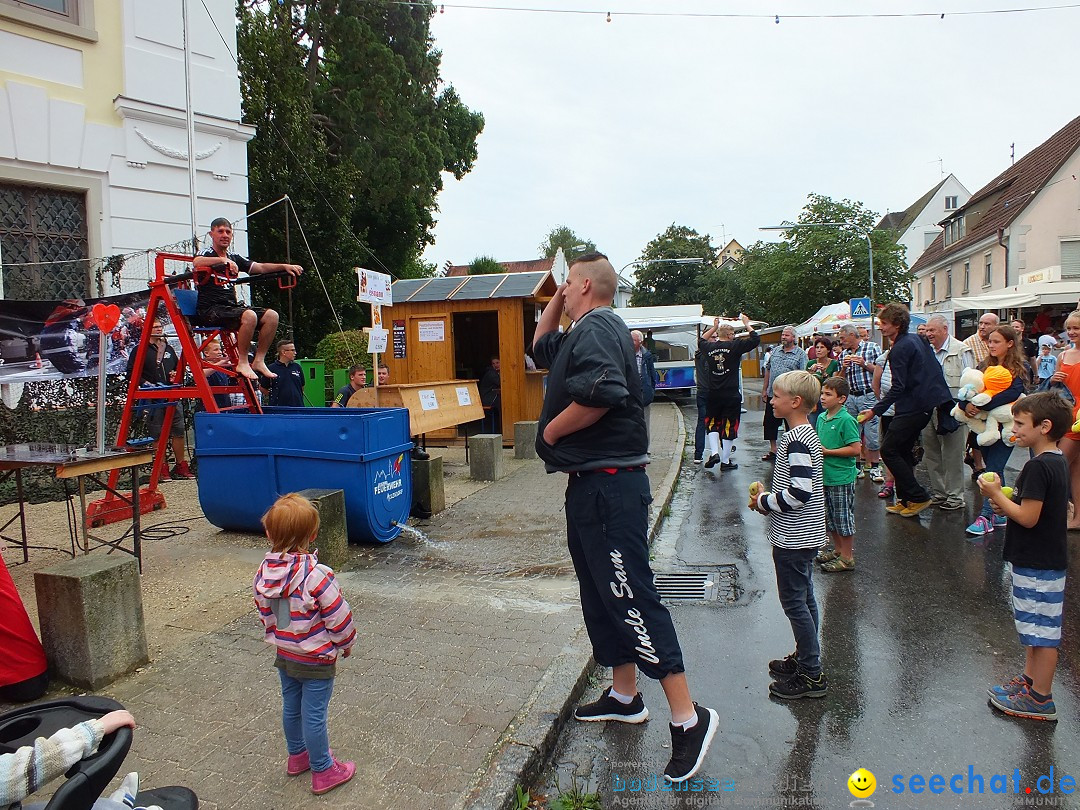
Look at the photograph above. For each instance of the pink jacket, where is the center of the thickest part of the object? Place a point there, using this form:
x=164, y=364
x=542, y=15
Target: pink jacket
x=302, y=608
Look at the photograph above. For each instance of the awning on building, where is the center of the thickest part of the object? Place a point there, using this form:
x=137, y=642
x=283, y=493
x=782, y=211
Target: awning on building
x=1022, y=295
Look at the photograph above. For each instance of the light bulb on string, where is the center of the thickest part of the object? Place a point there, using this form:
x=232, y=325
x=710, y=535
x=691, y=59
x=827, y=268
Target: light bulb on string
x=609, y=16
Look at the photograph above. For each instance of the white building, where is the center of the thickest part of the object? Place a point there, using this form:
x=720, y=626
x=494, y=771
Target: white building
x=93, y=138
x=917, y=225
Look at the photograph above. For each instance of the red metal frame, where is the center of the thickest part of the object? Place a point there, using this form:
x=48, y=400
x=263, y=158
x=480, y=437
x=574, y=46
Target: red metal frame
x=111, y=508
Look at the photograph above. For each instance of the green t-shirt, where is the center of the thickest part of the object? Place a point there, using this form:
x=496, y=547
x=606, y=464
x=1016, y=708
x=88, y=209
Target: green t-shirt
x=836, y=432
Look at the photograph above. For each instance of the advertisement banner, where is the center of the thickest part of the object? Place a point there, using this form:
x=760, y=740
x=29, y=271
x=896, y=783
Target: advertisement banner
x=374, y=287
x=53, y=340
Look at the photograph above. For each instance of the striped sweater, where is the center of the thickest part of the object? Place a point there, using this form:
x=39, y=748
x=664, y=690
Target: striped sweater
x=23, y=772
x=796, y=504
x=302, y=609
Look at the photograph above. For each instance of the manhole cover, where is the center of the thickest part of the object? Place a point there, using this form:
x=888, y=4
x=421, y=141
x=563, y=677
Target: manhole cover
x=697, y=584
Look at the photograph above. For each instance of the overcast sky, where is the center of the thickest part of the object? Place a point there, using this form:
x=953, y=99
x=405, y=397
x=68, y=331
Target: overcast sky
x=620, y=129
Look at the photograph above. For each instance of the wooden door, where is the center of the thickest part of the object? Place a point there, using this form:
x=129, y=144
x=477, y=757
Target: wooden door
x=431, y=348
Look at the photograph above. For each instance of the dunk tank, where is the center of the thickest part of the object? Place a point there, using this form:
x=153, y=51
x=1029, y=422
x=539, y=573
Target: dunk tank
x=247, y=460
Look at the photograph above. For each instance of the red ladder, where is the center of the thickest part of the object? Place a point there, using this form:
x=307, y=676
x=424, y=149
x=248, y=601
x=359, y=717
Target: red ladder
x=174, y=295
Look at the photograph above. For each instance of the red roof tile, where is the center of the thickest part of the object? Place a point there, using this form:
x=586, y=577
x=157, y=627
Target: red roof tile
x=1003, y=198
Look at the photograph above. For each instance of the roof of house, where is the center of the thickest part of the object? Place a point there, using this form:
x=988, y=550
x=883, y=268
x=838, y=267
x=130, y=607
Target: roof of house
x=472, y=288
x=1007, y=195
x=900, y=221
x=528, y=266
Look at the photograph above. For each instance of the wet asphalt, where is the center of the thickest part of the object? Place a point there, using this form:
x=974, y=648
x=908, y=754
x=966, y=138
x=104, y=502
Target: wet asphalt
x=910, y=642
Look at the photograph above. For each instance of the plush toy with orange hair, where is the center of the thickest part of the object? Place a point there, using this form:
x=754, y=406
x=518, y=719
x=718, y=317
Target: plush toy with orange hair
x=978, y=388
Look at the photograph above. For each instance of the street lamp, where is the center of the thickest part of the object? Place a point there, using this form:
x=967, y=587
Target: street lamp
x=643, y=262
x=845, y=226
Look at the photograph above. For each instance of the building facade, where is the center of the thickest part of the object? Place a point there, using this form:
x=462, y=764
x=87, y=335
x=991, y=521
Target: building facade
x=93, y=138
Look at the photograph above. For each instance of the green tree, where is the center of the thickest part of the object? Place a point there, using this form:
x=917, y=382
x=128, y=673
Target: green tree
x=563, y=237
x=786, y=282
x=661, y=282
x=483, y=265
x=355, y=124
x=722, y=291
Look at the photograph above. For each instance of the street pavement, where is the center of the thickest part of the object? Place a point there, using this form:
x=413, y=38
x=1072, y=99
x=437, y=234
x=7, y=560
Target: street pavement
x=910, y=642
x=471, y=650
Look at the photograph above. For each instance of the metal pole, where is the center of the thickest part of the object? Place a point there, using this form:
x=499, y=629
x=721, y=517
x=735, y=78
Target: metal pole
x=192, y=188
x=288, y=260
x=870, y=247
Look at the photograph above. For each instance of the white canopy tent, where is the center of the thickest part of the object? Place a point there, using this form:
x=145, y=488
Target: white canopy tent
x=1022, y=295
x=681, y=317
x=831, y=317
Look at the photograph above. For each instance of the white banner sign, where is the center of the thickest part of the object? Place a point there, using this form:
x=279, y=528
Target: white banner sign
x=374, y=287
x=428, y=401
x=432, y=331
x=376, y=340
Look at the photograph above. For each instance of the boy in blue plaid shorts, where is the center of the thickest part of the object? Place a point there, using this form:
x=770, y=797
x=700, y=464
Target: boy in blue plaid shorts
x=840, y=443
x=1037, y=549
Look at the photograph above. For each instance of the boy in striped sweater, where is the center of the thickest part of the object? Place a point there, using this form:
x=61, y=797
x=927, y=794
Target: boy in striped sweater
x=796, y=512
x=309, y=622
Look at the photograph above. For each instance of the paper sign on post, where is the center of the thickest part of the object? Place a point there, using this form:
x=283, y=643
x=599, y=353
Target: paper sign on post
x=376, y=316
x=376, y=340
x=374, y=287
x=463, y=397
x=428, y=401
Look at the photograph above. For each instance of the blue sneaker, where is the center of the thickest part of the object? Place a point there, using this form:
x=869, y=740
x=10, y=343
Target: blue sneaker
x=999, y=521
x=1022, y=704
x=1014, y=687
x=980, y=527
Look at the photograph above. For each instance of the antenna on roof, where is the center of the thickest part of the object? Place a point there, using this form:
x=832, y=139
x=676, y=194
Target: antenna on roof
x=1012, y=153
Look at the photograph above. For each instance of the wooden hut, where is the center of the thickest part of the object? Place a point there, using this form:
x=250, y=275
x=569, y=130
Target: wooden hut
x=450, y=328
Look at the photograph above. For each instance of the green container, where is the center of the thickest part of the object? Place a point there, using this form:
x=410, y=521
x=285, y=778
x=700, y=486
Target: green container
x=314, y=382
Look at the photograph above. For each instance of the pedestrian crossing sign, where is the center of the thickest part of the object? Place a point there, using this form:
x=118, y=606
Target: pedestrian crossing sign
x=860, y=307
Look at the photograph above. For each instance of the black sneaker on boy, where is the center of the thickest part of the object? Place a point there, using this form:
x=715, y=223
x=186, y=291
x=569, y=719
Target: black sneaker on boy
x=783, y=667
x=606, y=707
x=688, y=748
x=799, y=685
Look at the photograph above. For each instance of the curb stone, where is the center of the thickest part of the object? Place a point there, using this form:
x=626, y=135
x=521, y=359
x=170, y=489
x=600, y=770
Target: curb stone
x=528, y=743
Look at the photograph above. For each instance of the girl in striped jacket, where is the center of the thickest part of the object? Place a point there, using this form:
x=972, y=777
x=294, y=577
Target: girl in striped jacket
x=309, y=622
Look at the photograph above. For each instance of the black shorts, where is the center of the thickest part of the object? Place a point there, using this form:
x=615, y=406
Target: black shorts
x=226, y=316
x=156, y=417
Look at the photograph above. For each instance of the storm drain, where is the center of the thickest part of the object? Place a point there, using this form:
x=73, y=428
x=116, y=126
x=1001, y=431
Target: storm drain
x=702, y=584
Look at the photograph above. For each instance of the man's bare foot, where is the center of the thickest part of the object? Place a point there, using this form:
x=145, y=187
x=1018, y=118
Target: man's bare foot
x=244, y=370
x=260, y=366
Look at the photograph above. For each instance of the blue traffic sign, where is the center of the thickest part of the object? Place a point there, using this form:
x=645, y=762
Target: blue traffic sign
x=860, y=307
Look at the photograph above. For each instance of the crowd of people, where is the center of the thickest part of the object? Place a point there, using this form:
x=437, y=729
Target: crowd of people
x=846, y=408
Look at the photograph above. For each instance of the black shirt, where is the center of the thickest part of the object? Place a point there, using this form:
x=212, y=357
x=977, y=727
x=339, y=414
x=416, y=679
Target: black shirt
x=723, y=357
x=288, y=387
x=1044, y=478
x=213, y=294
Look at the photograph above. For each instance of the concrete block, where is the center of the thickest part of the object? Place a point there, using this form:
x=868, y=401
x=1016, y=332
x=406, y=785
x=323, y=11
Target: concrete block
x=486, y=457
x=427, y=481
x=525, y=439
x=333, y=538
x=91, y=616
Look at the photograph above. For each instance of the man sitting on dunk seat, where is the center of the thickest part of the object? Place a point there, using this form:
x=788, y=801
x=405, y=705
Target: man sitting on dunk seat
x=215, y=272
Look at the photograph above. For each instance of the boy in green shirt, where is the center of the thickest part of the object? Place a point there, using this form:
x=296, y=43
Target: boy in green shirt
x=840, y=443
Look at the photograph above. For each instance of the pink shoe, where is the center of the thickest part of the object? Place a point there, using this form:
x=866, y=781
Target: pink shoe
x=337, y=774
x=297, y=764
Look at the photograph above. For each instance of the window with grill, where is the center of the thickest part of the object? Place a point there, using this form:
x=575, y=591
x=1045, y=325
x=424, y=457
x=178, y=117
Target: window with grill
x=43, y=236
x=948, y=283
x=933, y=287
x=950, y=203
x=967, y=276
x=988, y=269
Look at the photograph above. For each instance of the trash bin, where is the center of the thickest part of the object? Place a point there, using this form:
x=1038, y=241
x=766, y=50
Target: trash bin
x=247, y=460
x=314, y=382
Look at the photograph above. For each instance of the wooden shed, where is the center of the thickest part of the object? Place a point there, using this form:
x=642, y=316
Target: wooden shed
x=450, y=328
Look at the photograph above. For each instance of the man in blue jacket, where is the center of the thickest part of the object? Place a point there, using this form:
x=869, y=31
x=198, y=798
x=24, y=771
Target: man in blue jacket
x=918, y=388
x=592, y=427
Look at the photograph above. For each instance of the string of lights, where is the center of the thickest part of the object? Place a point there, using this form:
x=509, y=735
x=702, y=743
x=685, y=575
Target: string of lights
x=736, y=15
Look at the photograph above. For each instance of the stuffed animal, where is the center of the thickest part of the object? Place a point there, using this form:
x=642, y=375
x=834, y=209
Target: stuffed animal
x=978, y=388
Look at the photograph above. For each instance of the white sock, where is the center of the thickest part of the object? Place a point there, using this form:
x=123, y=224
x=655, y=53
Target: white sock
x=625, y=700
x=712, y=444
x=689, y=724
x=727, y=444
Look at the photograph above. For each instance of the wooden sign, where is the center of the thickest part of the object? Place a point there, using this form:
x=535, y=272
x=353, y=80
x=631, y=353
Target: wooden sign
x=432, y=406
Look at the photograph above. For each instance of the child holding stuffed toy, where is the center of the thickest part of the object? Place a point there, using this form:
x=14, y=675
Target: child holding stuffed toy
x=1006, y=356
x=1068, y=373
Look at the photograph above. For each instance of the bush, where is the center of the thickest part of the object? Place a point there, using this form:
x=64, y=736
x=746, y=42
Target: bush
x=344, y=349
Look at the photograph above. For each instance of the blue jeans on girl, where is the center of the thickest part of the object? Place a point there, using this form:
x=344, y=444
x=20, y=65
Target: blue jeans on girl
x=303, y=716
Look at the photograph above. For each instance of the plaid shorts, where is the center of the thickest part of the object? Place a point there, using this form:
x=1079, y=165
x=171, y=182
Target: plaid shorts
x=840, y=509
x=1038, y=596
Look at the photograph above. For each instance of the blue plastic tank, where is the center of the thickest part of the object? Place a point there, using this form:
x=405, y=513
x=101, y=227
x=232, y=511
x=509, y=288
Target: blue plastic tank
x=247, y=460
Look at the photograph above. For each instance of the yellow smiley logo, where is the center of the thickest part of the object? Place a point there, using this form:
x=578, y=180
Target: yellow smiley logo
x=862, y=784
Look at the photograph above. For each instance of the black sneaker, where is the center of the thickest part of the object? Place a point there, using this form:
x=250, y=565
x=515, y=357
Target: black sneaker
x=728, y=465
x=711, y=462
x=606, y=707
x=799, y=685
x=688, y=748
x=783, y=667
